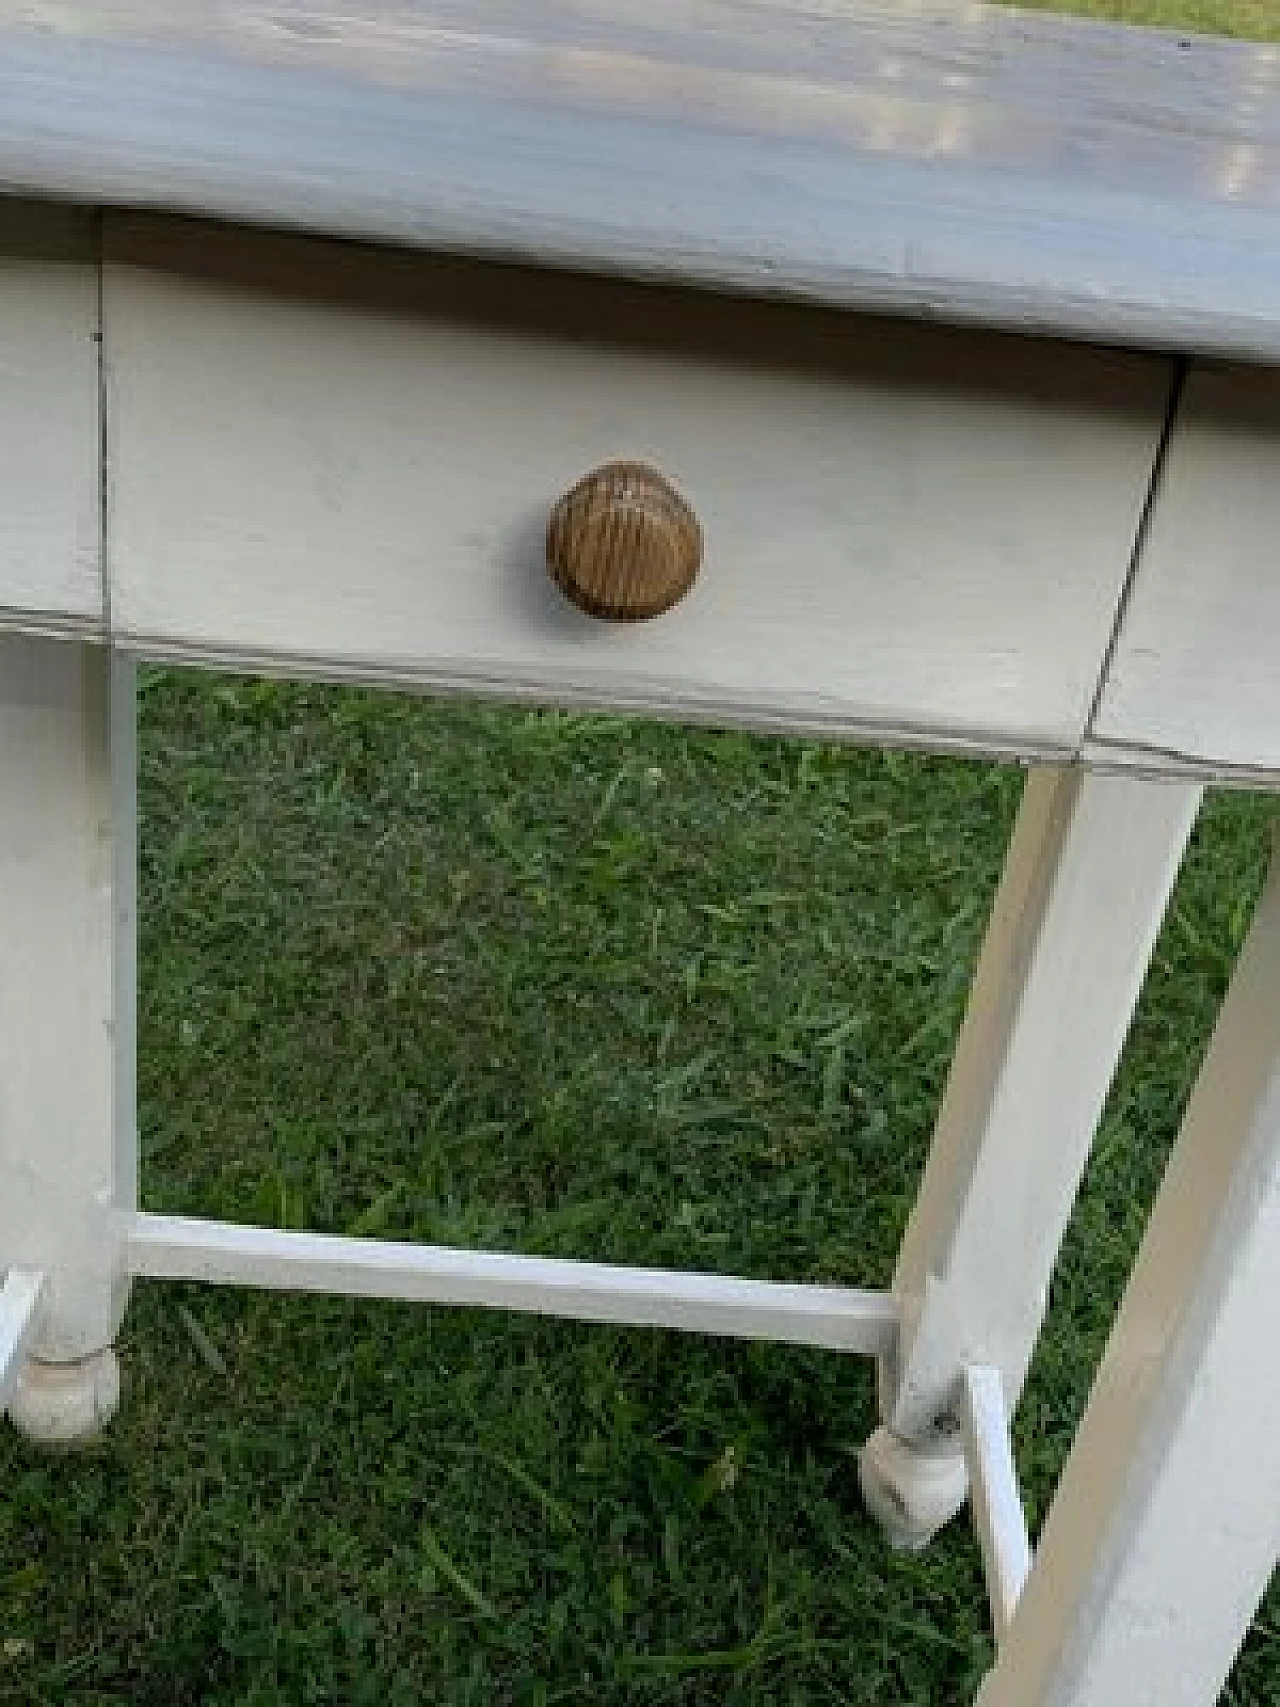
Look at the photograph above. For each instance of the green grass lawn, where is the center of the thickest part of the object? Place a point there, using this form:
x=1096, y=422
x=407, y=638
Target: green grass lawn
x=1256, y=19
x=579, y=986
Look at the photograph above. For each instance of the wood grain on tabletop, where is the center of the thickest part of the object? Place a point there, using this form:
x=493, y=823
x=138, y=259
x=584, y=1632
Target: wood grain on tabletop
x=963, y=161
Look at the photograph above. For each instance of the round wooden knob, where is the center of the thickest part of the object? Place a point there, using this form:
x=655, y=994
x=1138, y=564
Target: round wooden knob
x=623, y=543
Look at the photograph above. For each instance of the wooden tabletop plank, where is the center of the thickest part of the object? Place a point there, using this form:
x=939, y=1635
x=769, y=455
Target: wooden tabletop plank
x=954, y=161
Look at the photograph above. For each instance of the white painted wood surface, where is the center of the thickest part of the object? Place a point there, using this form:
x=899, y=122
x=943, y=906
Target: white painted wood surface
x=50, y=518
x=1087, y=877
x=905, y=530
x=67, y=827
x=1166, y=1523
x=20, y=1296
x=1196, y=671
x=224, y=1253
x=949, y=160
x=995, y=1496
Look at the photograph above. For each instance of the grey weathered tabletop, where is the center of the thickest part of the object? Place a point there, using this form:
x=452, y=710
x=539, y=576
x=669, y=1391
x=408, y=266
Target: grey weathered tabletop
x=956, y=161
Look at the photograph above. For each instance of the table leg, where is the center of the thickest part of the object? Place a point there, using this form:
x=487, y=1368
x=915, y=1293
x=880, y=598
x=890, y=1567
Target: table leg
x=1166, y=1523
x=1088, y=875
x=67, y=905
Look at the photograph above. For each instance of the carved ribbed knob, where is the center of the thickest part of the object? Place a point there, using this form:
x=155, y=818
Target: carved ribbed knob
x=623, y=543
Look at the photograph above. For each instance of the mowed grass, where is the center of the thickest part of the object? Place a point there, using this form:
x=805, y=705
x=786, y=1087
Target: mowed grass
x=573, y=985
x=1257, y=20
x=579, y=986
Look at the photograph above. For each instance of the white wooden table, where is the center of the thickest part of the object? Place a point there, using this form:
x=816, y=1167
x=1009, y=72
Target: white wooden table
x=958, y=331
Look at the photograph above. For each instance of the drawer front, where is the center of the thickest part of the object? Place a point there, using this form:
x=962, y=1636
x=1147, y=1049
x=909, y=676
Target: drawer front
x=1196, y=670
x=51, y=513
x=329, y=461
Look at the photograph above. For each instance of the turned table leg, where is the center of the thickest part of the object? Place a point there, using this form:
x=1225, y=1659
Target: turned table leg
x=1085, y=885
x=1166, y=1523
x=67, y=905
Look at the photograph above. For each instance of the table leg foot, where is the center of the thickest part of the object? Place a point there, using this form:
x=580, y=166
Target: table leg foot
x=66, y=1404
x=911, y=1492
